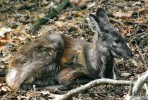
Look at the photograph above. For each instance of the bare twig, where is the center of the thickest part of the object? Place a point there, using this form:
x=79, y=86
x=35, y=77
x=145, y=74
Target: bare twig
x=5, y=96
x=34, y=91
x=137, y=87
x=89, y=85
x=116, y=21
x=130, y=89
x=142, y=58
x=139, y=24
x=139, y=83
x=146, y=88
x=137, y=98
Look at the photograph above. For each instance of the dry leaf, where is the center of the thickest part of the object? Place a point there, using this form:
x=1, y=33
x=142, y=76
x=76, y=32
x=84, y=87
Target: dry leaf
x=59, y=23
x=143, y=10
x=141, y=20
x=125, y=74
x=123, y=14
x=146, y=1
x=90, y=5
x=4, y=30
x=78, y=2
x=63, y=16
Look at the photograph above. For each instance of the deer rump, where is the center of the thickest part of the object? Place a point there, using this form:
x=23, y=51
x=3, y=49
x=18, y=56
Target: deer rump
x=56, y=57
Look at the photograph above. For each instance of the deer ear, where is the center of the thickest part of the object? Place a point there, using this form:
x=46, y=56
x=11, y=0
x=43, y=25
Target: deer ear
x=94, y=24
x=103, y=21
x=102, y=16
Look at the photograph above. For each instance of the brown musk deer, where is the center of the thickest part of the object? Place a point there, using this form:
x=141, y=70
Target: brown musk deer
x=58, y=57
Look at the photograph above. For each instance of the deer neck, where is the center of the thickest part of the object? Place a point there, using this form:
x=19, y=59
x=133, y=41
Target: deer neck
x=100, y=61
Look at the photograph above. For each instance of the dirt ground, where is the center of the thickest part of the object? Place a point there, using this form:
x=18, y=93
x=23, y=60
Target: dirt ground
x=129, y=17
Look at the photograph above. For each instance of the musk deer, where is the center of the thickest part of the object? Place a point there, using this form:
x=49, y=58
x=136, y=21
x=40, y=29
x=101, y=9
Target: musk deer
x=64, y=59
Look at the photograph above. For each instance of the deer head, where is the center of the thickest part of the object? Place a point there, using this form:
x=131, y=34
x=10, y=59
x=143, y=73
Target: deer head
x=107, y=36
x=107, y=44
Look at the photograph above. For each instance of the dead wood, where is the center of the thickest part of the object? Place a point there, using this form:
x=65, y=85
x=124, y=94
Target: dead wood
x=52, y=13
x=89, y=85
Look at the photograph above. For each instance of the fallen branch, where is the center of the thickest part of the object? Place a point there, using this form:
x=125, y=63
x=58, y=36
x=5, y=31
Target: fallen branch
x=135, y=89
x=53, y=12
x=137, y=98
x=89, y=85
x=146, y=88
x=139, y=83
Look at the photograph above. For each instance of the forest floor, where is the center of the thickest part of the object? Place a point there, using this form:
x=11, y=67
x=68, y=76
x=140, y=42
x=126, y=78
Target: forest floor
x=129, y=17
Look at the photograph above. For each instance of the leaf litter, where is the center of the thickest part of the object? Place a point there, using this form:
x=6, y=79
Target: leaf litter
x=128, y=16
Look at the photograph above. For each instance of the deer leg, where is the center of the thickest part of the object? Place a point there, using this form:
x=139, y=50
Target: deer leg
x=68, y=75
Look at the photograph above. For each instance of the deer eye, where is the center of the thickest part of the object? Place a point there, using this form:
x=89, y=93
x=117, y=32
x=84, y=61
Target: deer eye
x=117, y=41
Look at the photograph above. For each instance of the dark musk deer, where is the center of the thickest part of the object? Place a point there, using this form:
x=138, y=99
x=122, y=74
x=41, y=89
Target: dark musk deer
x=58, y=57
